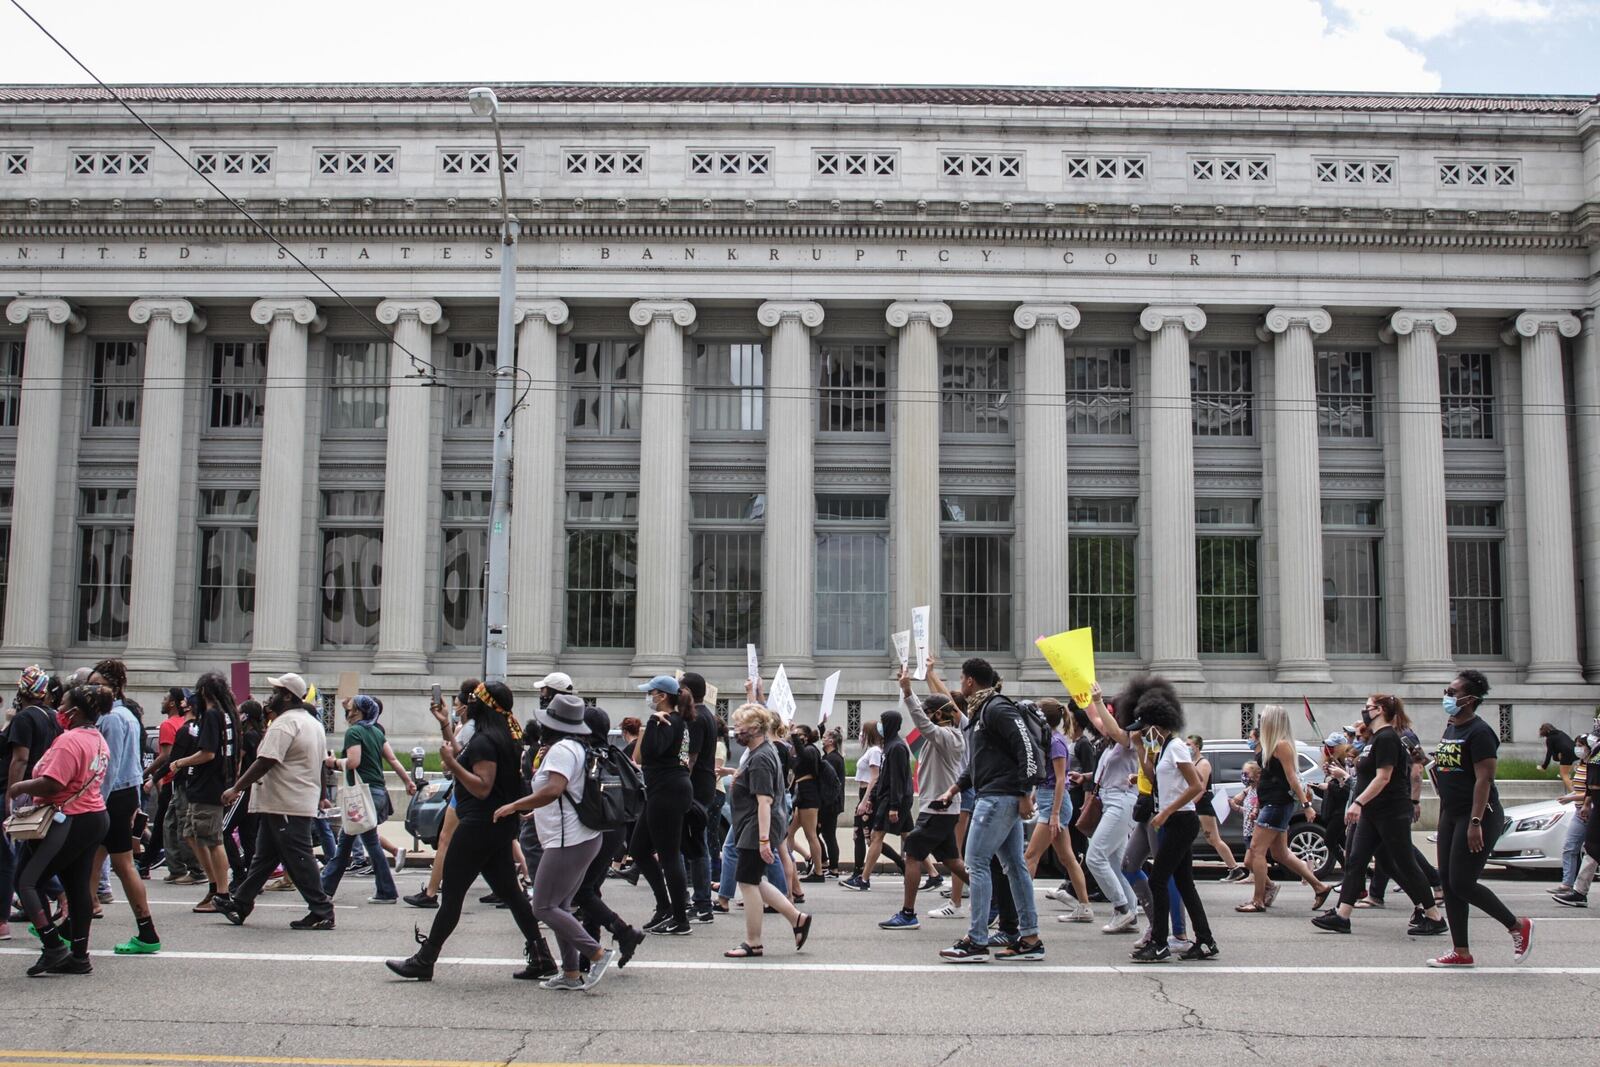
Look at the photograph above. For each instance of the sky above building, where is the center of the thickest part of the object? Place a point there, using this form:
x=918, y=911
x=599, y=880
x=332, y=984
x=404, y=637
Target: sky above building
x=1487, y=46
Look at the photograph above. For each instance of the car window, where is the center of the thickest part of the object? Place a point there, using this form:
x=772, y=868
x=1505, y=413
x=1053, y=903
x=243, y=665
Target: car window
x=1306, y=765
x=1227, y=764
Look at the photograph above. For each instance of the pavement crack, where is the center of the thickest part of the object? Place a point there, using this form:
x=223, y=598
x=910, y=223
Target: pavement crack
x=960, y=1046
x=522, y=1046
x=1191, y=1016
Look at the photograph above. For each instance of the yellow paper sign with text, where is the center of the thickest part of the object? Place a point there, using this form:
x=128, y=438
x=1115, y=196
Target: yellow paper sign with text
x=1071, y=656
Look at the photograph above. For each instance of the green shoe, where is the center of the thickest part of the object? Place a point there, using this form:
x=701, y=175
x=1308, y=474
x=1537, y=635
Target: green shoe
x=138, y=946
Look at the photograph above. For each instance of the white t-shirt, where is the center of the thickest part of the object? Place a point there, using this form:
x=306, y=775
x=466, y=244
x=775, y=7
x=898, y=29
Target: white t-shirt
x=1170, y=782
x=557, y=822
x=869, y=762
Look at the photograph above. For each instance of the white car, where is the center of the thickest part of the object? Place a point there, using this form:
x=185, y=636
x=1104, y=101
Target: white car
x=1533, y=835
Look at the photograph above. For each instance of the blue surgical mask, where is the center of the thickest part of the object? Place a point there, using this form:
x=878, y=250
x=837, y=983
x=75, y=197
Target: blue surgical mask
x=1450, y=710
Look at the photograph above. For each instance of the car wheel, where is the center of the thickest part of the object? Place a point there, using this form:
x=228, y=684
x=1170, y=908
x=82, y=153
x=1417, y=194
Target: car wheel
x=1308, y=841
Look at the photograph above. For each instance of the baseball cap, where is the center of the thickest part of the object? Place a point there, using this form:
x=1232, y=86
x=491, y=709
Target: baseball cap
x=1335, y=739
x=292, y=682
x=561, y=683
x=664, y=682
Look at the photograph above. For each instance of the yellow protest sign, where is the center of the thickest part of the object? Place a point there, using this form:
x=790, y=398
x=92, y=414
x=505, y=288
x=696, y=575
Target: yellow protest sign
x=1071, y=656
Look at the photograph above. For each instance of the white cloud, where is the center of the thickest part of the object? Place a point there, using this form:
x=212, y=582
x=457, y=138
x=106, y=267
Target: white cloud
x=1291, y=44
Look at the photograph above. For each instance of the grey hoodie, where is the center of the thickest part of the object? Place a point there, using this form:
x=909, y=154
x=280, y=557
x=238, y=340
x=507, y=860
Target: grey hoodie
x=942, y=755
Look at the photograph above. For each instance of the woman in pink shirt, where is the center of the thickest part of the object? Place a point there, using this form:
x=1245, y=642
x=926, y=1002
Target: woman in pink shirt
x=69, y=777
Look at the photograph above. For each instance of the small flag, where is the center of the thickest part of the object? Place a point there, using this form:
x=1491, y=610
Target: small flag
x=1310, y=718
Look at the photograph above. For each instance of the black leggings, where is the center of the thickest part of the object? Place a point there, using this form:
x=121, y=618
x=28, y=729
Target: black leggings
x=1461, y=868
x=1591, y=836
x=658, y=843
x=592, y=909
x=1381, y=876
x=863, y=826
x=1389, y=838
x=479, y=848
x=828, y=830
x=240, y=854
x=67, y=850
x=1175, y=860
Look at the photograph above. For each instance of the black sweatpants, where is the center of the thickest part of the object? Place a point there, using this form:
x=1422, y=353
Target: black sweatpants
x=658, y=843
x=828, y=830
x=67, y=851
x=1591, y=836
x=1381, y=877
x=480, y=849
x=286, y=840
x=863, y=828
x=1461, y=868
x=1175, y=860
x=1389, y=838
x=592, y=908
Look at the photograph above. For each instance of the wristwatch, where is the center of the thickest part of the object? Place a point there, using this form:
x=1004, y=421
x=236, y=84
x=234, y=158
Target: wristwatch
x=1476, y=821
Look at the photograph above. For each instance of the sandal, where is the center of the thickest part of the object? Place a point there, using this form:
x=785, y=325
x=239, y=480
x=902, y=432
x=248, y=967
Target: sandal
x=1370, y=902
x=797, y=901
x=1320, y=899
x=1251, y=908
x=802, y=930
x=743, y=952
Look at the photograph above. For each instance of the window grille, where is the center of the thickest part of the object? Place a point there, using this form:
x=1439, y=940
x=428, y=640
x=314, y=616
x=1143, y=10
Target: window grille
x=1227, y=582
x=728, y=388
x=990, y=165
x=358, y=389
x=1102, y=570
x=352, y=567
x=238, y=385
x=742, y=163
x=11, y=353
x=1346, y=394
x=1222, y=391
x=1230, y=170
x=1352, y=577
x=602, y=569
x=1479, y=173
x=105, y=564
x=98, y=163
x=346, y=162
x=604, y=398
x=114, y=388
x=852, y=572
x=603, y=162
x=474, y=161
x=233, y=162
x=1100, y=391
x=975, y=392
x=1355, y=172
x=463, y=552
x=1477, y=589
x=853, y=389
x=1084, y=168
x=1466, y=395
x=227, y=578
x=470, y=373
x=860, y=163
x=725, y=572
x=14, y=162
x=975, y=602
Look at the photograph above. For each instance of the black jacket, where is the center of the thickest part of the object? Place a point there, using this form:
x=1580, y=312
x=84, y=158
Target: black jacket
x=893, y=789
x=1000, y=752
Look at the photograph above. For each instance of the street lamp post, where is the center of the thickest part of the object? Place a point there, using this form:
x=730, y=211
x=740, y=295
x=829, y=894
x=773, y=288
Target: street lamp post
x=496, y=606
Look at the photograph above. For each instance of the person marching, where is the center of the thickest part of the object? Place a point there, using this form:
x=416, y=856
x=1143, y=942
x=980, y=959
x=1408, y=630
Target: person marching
x=757, y=823
x=123, y=734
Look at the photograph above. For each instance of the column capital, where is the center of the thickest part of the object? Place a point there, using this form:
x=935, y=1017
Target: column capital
x=426, y=311
x=644, y=312
x=1529, y=323
x=1279, y=319
x=555, y=312
x=806, y=312
x=1154, y=317
x=935, y=313
x=180, y=311
x=1027, y=316
x=299, y=308
x=1404, y=321
x=55, y=311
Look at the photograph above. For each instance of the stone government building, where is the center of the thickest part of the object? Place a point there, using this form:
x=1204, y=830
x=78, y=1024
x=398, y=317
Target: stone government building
x=1284, y=393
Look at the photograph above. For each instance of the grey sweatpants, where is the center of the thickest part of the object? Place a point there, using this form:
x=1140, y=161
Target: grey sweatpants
x=556, y=882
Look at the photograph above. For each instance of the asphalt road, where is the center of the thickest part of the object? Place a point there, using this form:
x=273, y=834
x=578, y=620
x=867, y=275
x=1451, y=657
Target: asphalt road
x=1281, y=992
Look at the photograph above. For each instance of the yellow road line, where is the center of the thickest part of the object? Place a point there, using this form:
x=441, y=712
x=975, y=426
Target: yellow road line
x=26, y=1058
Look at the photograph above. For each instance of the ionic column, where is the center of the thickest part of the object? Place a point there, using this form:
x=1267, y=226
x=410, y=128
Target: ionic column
x=1552, y=598
x=914, y=463
x=1425, y=574
x=787, y=563
x=1302, y=654
x=661, y=621
x=155, y=504
x=280, y=527
x=1175, y=633
x=1042, y=471
x=34, y=496
x=537, y=503
x=1586, y=394
x=407, y=465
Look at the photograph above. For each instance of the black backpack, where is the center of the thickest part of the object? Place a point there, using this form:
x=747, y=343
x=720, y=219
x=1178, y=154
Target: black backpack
x=613, y=791
x=1037, y=733
x=829, y=788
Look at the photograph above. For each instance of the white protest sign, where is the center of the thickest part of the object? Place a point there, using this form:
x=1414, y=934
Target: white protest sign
x=919, y=638
x=781, y=699
x=830, y=690
x=1220, y=807
x=752, y=668
x=902, y=647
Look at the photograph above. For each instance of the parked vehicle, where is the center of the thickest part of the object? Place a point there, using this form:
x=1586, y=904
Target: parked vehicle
x=1533, y=836
x=1307, y=839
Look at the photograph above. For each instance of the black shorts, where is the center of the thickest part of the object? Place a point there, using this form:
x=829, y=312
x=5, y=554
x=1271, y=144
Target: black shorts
x=751, y=868
x=807, y=795
x=934, y=835
x=121, y=807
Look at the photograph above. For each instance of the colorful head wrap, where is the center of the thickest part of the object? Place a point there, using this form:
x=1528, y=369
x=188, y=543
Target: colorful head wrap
x=483, y=696
x=368, y=708
x=33, y=681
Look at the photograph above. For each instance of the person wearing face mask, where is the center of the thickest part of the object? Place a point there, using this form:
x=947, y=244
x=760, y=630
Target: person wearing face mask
x=869, y=767
x=457, y=727
x=553, y=684
x=888, y=805
x=807, y=800
x=1470, y=820
x=757, y=825
x=657, y=845
x=1380, y=817
x=362, y=763
x=1279, y=791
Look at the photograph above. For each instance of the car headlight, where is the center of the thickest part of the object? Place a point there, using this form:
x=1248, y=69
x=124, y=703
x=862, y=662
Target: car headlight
x=1539, y=822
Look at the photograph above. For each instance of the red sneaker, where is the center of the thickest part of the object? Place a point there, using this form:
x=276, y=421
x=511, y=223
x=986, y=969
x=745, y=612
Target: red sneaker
x=1521, y=940
x=1453, y=958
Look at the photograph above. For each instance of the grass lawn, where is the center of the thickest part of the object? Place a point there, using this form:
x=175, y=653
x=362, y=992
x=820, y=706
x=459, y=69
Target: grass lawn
x=1510, y=770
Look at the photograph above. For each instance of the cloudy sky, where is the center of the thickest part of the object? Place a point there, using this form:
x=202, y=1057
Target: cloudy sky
x=1522, y=46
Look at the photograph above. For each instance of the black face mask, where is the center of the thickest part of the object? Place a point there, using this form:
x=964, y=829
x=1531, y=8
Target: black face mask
x=1366, y=718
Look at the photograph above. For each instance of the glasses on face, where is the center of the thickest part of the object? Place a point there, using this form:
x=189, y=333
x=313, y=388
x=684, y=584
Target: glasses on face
x=1372, y=707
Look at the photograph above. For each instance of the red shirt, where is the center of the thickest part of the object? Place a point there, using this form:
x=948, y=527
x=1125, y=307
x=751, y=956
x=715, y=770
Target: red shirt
x=167, y=734
x=79, y=760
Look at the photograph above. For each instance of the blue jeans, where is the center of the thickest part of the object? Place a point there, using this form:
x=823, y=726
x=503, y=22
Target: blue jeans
x=727, y=884
x=322, y=834
x=382, y=876
x=1572, y=847
x=996, y=833
x=1109, y=844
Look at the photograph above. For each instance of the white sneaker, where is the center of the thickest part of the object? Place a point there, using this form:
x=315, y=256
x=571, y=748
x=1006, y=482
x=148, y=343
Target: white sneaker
x=1121, y=922
x=949, y=911
x=1179, y=944
x=1062, y=895
x=1082, y=913
x=400, y=859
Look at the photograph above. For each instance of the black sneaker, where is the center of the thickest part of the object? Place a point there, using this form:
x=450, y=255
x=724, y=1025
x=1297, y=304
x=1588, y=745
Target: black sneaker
x=1002, y=939
x=313, y=922
x=73, y=965
x=628, y=941
x=660, y=918
x=965, y=951
x=424, y=899
x=932, y=881
x=673, y=928
x=489, y=898
x=1571, y=898
x=1331, y=922
x=1200, y=950
x=1029, y=950
x=1426, y=927
x=1152, y=953
x=702, y=917
x=51, y=958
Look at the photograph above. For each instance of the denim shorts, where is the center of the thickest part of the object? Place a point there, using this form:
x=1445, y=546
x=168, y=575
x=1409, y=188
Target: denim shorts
x=1045, y=799
x=969, y=800
x=1275, y=817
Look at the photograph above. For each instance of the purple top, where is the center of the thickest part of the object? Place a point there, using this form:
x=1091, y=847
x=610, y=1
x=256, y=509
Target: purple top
x=1059, y=749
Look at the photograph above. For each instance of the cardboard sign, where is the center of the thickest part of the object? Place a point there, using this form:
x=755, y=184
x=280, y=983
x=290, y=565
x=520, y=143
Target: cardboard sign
x=919, y=639
x=830, y=691
x=1071, y=656
x=711, y=695
x=902, y=647
x=781, y=699
x=349, y=686
x=240, y=680
x=752, y=667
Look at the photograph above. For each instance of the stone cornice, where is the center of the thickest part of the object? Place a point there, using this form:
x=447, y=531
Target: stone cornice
x=55, y=311
x=180, y=311
x=680, y=312
x=1406, y=320
x=807, y=312
x=299, y=308
x=1065, y=317
x=903, y=312
x=553, y=311
x=1529, y=323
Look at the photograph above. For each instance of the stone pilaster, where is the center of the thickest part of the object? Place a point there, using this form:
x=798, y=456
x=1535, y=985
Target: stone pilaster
x=662, y=616
x=1425, y=575
x=280, y=526
x=1586, y=437
x=1042, y=473
x=788, y=561
x=34, y=497
x=914, y=464
x=1552, y=581
x=537, y=499
x=408, y=464
x=1302, y=647
x=155, y=505
x=1175, y=630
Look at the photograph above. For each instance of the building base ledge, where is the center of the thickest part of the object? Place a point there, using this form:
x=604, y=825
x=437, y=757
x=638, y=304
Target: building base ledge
x=150, y=659
x=20, y=656
x=1426, y=671
x=1312, y=671
x=1178, y=670
x=400, y=663
x=1554, y=674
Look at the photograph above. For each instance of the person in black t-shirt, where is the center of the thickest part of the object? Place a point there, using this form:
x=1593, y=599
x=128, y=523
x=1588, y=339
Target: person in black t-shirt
x=211, y=767
x=807, y=800
x=1470, y=820
x=1380, y=814
x=657, y=847
x=697, y=845
x=26, y=738
x=1558, y=746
